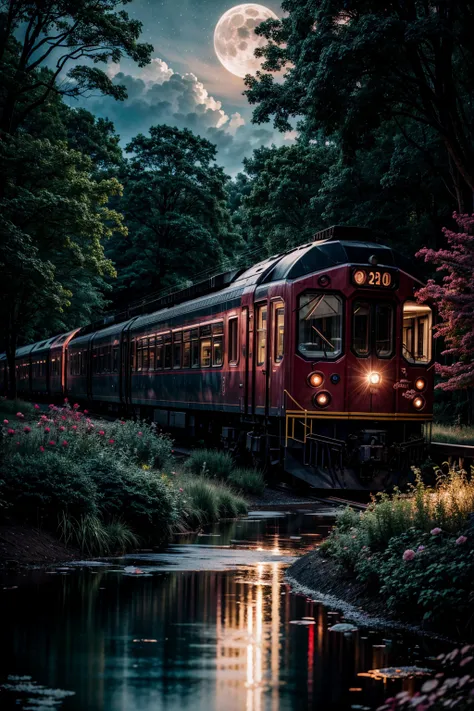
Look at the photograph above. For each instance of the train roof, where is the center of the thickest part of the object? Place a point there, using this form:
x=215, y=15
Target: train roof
x=44, y=345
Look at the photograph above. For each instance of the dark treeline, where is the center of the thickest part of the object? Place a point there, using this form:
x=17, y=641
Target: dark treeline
x=381, y=97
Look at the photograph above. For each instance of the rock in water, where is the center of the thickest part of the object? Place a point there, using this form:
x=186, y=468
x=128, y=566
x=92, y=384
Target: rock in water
x=343, y=627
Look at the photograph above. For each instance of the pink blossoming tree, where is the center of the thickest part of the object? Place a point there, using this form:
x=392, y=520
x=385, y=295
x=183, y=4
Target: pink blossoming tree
x=454, y=298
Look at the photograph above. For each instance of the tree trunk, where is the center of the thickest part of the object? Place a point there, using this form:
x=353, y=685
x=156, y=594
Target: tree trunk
x=10, y=353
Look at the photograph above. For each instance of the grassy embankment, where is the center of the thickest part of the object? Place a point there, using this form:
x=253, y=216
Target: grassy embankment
x=414, y=551
x=106, y=487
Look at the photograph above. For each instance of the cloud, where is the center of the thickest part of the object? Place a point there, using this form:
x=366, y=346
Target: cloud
x=157, y=94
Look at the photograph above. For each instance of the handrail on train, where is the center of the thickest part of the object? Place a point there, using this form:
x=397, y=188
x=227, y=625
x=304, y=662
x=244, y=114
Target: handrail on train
x=293, y=419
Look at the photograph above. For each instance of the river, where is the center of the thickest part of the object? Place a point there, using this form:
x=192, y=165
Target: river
x=206, y=625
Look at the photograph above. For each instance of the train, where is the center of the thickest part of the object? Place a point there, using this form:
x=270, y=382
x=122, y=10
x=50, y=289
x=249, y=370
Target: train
x=317, y=360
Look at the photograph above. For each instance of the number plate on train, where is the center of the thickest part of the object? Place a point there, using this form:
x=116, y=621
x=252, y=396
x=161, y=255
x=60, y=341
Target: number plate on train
x=377, y=278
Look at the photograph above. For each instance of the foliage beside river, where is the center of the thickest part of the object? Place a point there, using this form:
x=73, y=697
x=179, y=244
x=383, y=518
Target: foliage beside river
x=416, y=551
x=101, y=486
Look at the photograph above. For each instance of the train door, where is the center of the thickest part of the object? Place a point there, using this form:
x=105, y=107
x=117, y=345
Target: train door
x=261, y=358
x=276, y=354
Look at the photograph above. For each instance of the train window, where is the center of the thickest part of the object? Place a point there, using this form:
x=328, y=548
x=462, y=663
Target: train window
x=383, y=330
x=261, y=334
x=361, y=328
x=194, y=348
x=279, y=330
x=187, y=354
x=320, y=325
x=139, y=355
x=217, y=351
x=152, y=353
x=217, y=328
x=417, y=324
x=205, y=353
x=146, y=358
x=167, y=350
x=133, y=355
x=233, y=340
x=205, y=330
x=177, y=348
x=159, y=353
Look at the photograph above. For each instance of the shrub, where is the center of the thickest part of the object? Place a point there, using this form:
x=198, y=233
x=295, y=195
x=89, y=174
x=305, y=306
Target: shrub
x=250, y=481
x=41, y=488
x=11, y=407
x=140, y=443
x=211, y=463
x=204, y=501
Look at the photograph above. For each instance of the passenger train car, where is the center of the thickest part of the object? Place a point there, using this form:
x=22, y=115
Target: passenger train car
x=318, y=359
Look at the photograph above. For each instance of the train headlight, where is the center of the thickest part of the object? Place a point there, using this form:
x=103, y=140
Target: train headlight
x=374, y=378
x=418, y=402
x=322, y=399
x=360, y=277
x=420, y=383
x=315, y=379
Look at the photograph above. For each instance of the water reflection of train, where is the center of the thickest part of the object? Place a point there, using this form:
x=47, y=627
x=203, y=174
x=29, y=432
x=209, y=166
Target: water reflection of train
x=317, y=359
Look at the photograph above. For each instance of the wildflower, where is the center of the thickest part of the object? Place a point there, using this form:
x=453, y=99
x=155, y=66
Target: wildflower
x=435, y=531
x=20, y=415
x=63, y=417
x=139, y=434
x=122, y=422
x=86, y=412
x=26, y=430
x=17, y=444
x=37, y=407
x=52, y=442
x=61, y=429
x=66, y=400
x=181, y=489
x=41, y=449
x=172, y=451
x=51, y=407
x=47, y=429
x=102, y=433
x=65, y=443
x=420, y=549
x=111, y=441
x=461, y=540
x=11, y=432
x=74, y=427
x=409, y=554
x=5, y=422
x=44, y=418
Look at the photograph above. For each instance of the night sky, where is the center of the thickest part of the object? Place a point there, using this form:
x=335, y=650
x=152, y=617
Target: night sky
x=186, y=85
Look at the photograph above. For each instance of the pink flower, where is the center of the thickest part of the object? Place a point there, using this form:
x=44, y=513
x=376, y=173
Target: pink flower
x=26, y=430
x=140, y=434
x=51, y=407
x=111, y=441
x=66, y=400
x=44, y=417
x=41, y=449
x=11, y=432
x=5, y=422
x=76, y=406
x=102, y=433
x=52, y=442
x=409, y=554
x=461, y=540
x=181, y=489
x=37, y=407
x=61, y=429
x=420, y=549
x=122, y=422
x=20, y=415
x=63, y=417
x=65, y=443
x=17, y=444
x=435, y=531
x=74, y=427
x=47, y=429
x=86, y=412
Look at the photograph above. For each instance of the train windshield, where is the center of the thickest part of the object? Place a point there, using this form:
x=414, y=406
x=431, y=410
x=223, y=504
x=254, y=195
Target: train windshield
x=372, y=328
x=320, y=325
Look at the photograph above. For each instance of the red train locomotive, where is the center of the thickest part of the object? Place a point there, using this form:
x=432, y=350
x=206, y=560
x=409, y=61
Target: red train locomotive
x=317, y=359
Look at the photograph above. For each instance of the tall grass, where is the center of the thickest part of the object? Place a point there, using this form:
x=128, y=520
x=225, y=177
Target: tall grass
x=210, y=463
x=453, y=434
x=94, y=537
x=250, y=481
x=205, y=501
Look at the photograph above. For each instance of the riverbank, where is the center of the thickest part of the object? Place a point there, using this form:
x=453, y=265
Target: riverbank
x=407, y=558
x=24, y=546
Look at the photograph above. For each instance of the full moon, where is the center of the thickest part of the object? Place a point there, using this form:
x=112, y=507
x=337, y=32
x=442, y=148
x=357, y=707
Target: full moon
x=235, y=40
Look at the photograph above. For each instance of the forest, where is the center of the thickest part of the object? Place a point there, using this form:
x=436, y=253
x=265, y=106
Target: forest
x=381, y=97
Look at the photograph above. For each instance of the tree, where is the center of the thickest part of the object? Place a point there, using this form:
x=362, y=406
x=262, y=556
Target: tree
x=351, y=66
x=175, y=206
x=54, y=47
x=280, y=210
x=454, y=298
x=53, y=221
